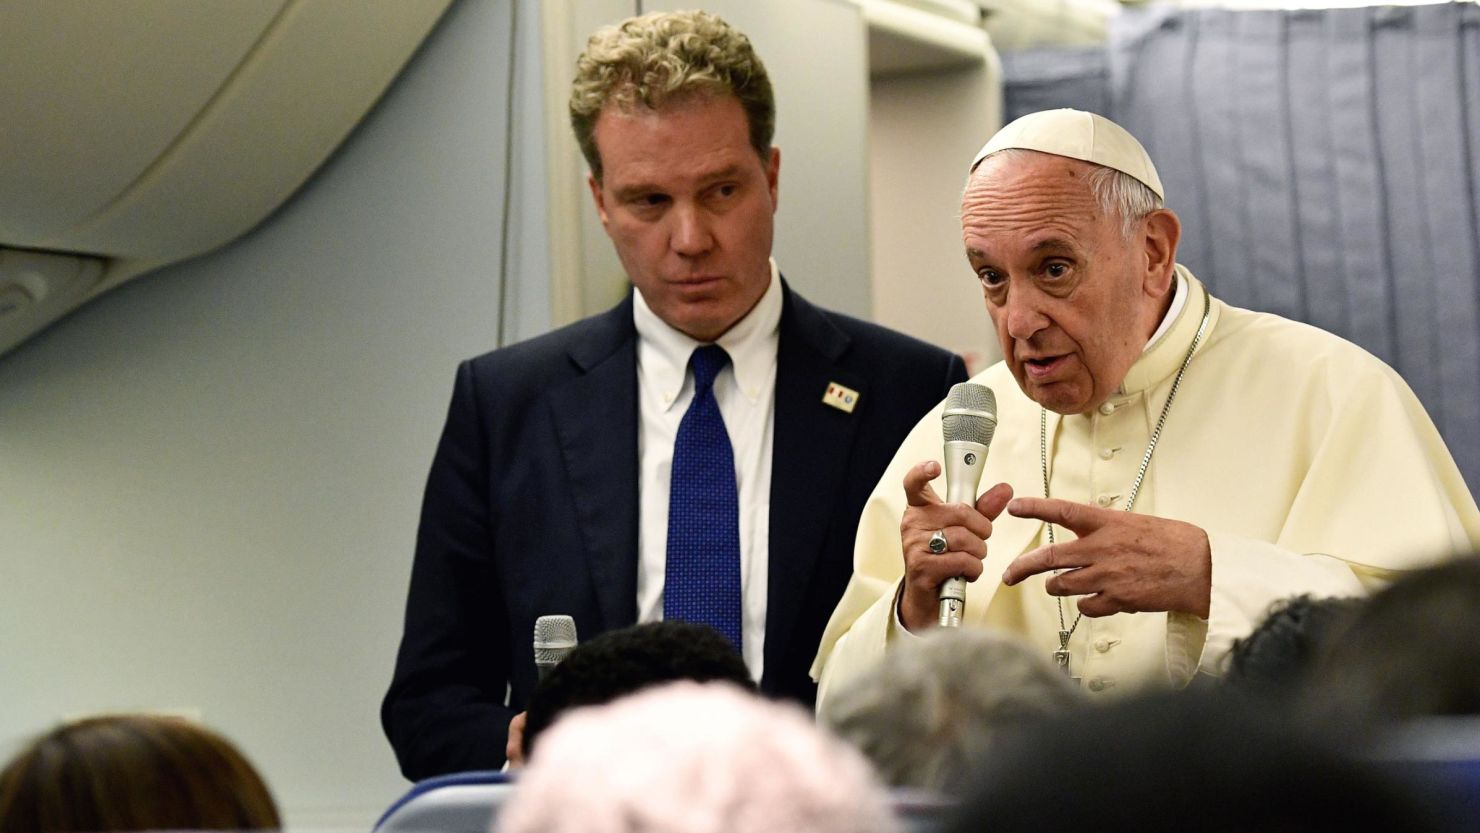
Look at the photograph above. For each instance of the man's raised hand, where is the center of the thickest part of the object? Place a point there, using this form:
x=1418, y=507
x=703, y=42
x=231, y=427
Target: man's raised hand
x=1121, y=562
x=966, y=528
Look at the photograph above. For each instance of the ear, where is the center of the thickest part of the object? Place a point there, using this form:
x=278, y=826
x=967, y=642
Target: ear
x=1159, y=237
x=598, y=197
x=773, y=175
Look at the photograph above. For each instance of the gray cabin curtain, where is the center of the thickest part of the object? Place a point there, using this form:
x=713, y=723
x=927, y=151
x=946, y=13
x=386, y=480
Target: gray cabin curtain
x=1326, y=166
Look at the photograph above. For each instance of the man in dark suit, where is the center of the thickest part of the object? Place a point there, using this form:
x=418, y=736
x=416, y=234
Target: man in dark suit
x=577, y=471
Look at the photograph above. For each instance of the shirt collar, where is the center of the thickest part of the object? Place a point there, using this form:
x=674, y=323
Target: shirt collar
x=751, y=343
x=1179, y=300
x=1167, y=348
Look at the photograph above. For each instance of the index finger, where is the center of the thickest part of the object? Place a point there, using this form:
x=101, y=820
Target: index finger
x=1059, y=556
x=917, y=489
x=1079, y=517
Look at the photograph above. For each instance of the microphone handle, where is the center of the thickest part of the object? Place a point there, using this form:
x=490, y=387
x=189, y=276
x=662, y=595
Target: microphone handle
x=963, y=468
x=952, y=602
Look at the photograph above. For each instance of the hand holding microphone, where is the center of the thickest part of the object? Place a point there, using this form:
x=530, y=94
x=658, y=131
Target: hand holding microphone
x=968, y=422
x=554, y=639
x=945, y=541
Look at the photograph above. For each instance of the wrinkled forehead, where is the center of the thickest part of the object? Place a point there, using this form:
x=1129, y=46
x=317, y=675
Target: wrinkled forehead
x=1032, y=206
x=1025, y=183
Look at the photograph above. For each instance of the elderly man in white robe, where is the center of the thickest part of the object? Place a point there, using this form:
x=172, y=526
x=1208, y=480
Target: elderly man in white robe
x=1166, y=465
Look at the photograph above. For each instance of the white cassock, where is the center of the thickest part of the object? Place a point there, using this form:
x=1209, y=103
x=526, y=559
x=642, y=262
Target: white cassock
x=1310, y=464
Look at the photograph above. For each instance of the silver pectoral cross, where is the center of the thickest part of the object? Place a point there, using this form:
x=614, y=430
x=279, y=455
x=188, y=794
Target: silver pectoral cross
x=1061, y=656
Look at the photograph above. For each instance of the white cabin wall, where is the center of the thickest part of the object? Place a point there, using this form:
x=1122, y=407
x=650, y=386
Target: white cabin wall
x=924, y=130
x=211, y=477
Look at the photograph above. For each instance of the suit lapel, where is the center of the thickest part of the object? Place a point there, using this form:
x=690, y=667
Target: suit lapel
x=600, y=456
x=809, y=459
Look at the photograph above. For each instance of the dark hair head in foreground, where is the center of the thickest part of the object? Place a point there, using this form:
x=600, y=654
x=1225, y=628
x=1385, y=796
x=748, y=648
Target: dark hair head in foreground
x=132, y=772
x=1411, y=652
x=1183, y=763
x=1277, y=658
x=621, y=662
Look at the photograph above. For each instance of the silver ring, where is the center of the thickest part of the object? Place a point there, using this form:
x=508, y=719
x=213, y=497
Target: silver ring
x=938, y=542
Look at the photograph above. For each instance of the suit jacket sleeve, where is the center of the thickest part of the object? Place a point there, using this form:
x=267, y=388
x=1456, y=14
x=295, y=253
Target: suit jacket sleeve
x=445, y=709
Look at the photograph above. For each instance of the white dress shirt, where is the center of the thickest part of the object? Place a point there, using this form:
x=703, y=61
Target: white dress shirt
x=746, y=393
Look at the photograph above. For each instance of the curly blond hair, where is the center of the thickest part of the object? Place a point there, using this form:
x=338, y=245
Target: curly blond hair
x=664, y=57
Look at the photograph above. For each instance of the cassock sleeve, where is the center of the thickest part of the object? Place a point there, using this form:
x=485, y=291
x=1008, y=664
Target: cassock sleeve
x=1380, y=494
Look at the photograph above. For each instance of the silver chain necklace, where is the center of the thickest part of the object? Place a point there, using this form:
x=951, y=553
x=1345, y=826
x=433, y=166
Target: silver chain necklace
x=1061, y=654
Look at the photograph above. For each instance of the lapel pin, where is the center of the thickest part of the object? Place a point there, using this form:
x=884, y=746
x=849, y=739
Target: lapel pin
x=840, y=397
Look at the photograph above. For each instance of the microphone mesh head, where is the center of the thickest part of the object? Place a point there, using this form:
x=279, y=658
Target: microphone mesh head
x=554, y=637
x=970, y=414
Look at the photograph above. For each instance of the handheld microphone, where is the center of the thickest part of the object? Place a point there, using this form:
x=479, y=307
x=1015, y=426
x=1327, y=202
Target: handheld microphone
x=969, y=419
x=554, y=639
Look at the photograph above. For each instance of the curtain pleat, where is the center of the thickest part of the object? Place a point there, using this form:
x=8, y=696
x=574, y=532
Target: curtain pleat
x=1359, y=182
x=1273, y=267
x=1448, y=211
x=1326, y=166
x=1466, y=434
x=1214, y=82
x=1317, y=207
x=1150, y=75
x=1400, y=147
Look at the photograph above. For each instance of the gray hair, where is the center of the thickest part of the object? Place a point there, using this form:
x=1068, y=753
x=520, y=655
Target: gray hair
x=928, y=712
x=1118, y=193
x=695, y=758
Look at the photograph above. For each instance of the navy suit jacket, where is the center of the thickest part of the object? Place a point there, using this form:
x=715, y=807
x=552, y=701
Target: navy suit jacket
x=531, y=508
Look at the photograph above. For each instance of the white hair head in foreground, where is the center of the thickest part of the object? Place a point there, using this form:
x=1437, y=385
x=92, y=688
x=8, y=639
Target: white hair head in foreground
x=695, y=758
x=930, y=711
x=1088, y=137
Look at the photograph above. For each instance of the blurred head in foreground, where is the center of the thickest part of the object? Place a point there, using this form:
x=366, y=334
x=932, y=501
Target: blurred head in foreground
x=695, y=758
x=622, y=662
x=1183, y=762
x=132, y=772
x=1409, y=652
x=929, y=711
x=1277, y=658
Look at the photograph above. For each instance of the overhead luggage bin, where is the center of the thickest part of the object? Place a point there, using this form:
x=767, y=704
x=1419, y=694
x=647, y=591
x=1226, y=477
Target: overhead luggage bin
x=140, y=134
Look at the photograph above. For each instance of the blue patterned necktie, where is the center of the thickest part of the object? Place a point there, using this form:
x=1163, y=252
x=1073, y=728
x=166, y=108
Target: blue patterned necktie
x=702, y=573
